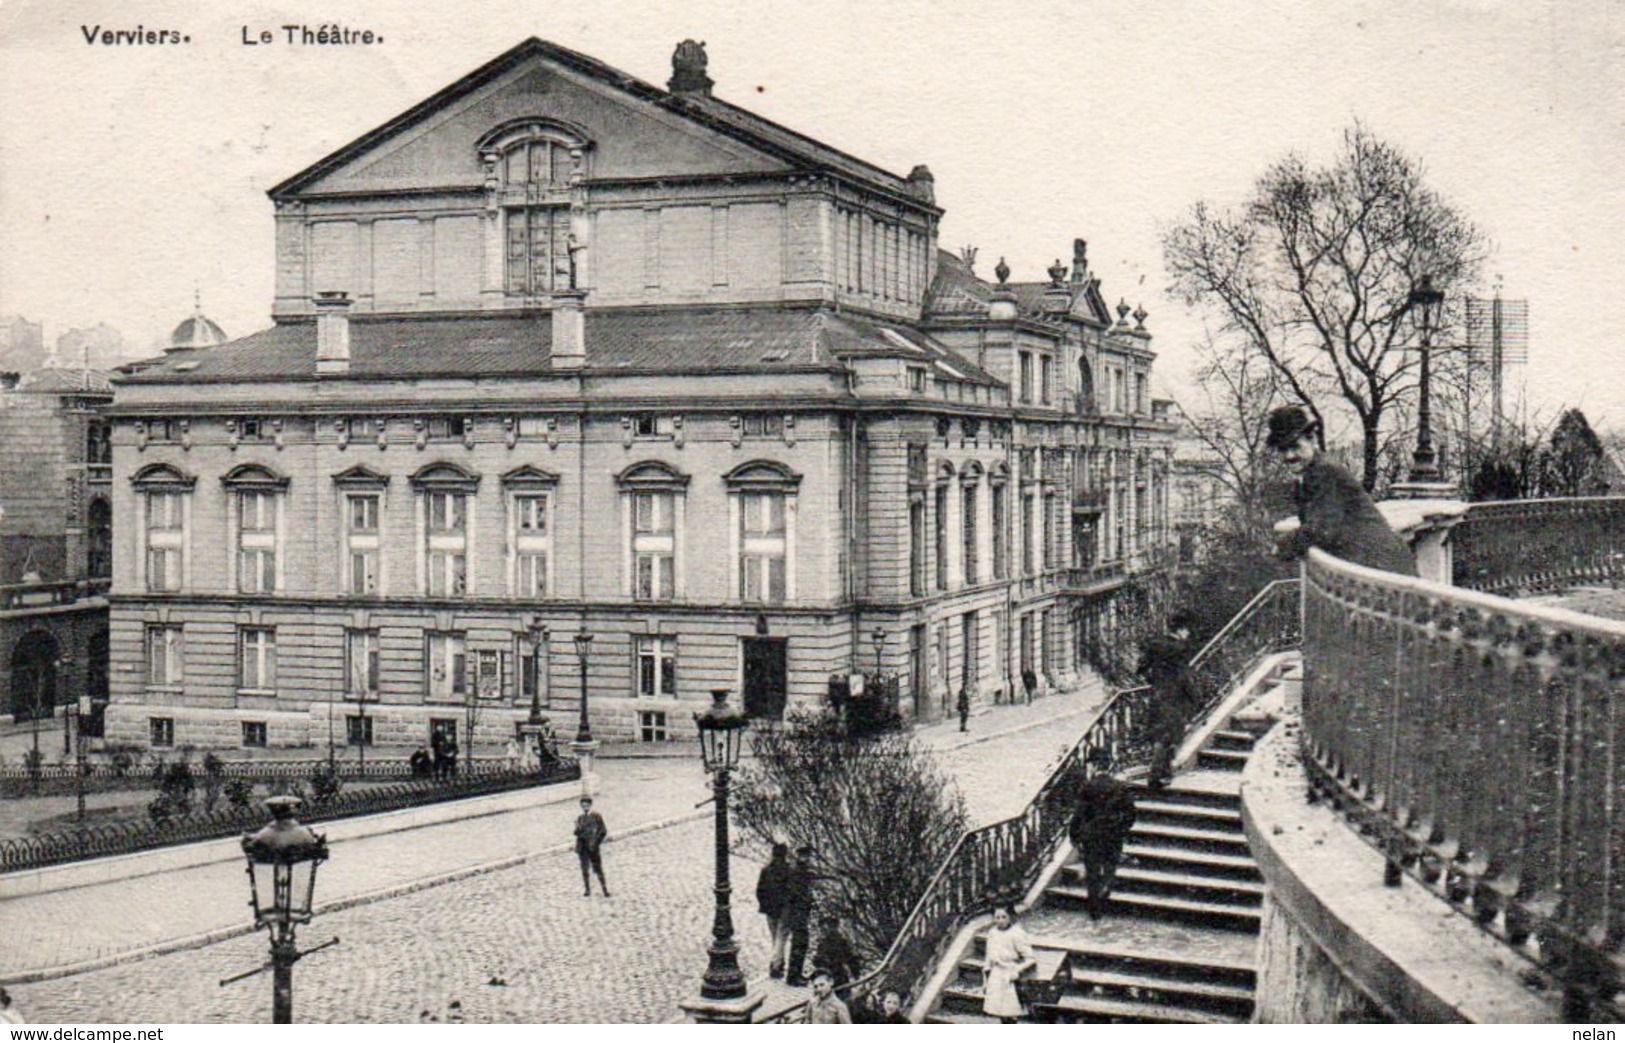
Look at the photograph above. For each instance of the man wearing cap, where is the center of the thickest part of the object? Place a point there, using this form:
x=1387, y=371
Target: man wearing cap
x=1164, y=663
x=798, y=910
x=1334, y=511
x=1101, y=821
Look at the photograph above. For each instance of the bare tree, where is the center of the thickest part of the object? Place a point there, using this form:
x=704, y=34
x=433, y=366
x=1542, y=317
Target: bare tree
x=880, y=812
x=1314, y=275
x=1231, y=422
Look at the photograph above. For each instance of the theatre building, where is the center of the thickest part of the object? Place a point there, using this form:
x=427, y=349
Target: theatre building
x=560, y=352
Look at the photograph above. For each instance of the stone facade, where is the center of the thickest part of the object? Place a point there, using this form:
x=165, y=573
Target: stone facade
x=558, y=352
x=55, y=540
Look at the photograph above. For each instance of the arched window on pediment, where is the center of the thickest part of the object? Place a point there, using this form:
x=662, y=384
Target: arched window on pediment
x=531, y=166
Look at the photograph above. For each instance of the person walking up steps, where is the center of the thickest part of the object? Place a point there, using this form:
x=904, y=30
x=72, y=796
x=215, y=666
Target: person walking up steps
x=1101, y=821
x=770, y=895
x=590, y=836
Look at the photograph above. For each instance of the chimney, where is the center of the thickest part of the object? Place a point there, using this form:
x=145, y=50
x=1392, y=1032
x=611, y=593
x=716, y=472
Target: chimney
x=332, y=333
x=688, y=76
x=569, y=329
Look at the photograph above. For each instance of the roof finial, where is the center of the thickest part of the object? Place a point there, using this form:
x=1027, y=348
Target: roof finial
x=688, y=63
x=1139, y=317
x=1057, y=273
x=1001, y=271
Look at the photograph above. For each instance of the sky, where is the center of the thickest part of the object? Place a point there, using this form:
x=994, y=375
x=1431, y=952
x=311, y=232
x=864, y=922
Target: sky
x=133, y=176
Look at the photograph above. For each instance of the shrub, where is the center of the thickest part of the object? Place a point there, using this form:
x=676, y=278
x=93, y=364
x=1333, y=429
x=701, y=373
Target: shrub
x=880, y=812
x=213, y=780
x=325, y=783
x=177, y=785
x=239, y=793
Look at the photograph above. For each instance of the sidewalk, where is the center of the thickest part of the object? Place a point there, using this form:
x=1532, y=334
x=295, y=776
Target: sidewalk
x=998, y=764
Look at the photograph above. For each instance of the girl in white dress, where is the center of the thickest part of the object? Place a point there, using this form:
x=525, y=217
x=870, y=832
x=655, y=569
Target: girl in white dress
x=1009, y=955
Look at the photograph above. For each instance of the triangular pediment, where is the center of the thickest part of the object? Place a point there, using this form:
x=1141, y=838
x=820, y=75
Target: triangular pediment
x=634, y=130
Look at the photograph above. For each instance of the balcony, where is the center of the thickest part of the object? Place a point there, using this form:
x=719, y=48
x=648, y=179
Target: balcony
x=17, y=597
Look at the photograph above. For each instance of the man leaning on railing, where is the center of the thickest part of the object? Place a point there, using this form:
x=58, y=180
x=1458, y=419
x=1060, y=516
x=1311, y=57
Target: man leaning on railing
x=1334, y=511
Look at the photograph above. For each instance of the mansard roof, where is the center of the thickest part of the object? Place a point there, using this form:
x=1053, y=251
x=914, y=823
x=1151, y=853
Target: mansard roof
x=653, y=340
x=787, y=147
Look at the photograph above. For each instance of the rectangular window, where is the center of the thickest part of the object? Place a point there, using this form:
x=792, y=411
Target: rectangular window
x=166, y=656
x=446, y=680
x=161, y=730
x=447, y=538
x=256, y=658
x=1048, y=553
x=654, y=426
x=447, y=427
x=762, y=547
x=1029, y=543
x=657, y=667
x=968, y=506
x=942, y=537
x=1139, y=394
x=1025, y=386
x=916, y=380
x=361, y=664
x=254, y=734
x=1000, y=551
x=166, y=540
x=1045, y=368
x=654, y=546
x=160, y=430
x=357, y=730
x=652, y=725
x=253, y=429
x=361, y=537
x=256, y=541
x=763, y=425
x=916, y=546
x=969, y=639
x=532, y=544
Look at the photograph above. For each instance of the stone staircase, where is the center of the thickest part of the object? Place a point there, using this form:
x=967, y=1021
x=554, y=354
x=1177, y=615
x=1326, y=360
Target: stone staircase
x=1178, y=942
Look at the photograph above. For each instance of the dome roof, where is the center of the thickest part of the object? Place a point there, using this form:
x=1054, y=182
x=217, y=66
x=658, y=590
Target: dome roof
x=199, y=331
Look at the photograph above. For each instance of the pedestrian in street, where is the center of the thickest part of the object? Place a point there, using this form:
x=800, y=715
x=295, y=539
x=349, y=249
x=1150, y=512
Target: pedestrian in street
x=771, y=888
x=512, y=754
x=963, y=706
x=590, y=836
x=826, y=1008
x=834, y=952
x=1009, y=956
x=9, y=1014
x=1334, y=511
x=1101, y=819
x=422, y=764
x=1164, y=664
x=1029, y=681
x=440, y=744
x=798, y=910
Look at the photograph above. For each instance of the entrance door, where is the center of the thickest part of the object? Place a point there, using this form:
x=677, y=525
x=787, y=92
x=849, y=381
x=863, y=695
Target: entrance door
x=765, y=676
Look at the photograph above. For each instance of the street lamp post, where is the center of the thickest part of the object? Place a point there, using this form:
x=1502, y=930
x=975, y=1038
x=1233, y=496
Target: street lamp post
x=724, y=996
x=879, y=638
x=1428, y=302
x=282, y=862
x=584, y=747
x=81, y=711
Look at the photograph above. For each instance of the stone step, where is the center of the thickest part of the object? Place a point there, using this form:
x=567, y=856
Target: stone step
x=1164, y=907
x=944, y=1017
x=1186, y=796
x=1189, y=838
x=1173, y=992
x=1215, y=890
x=1225, y=760
x=1225, y=739
x=1196, y=863
x=1155, y=809
x=1074, y=1007
x=1091, y=957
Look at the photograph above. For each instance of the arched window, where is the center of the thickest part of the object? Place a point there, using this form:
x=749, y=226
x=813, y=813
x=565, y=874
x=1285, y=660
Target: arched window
x=762, y=526
x=652, y=500
x=1086, y=386
x=445, y=494
x=166, y=513
x=531, y=165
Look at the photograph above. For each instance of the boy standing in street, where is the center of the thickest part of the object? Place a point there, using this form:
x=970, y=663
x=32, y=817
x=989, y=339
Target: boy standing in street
x=590, y=836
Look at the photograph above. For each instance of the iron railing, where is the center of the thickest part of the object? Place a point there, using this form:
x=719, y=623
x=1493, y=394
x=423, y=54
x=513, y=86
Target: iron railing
x=1267, y=624
x=127, y=837
x=1480, y=743
x=380, y=768
x=996, y=862
x=1524, y=546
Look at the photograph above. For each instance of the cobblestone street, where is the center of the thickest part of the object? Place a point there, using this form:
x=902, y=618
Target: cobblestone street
x=516, y=944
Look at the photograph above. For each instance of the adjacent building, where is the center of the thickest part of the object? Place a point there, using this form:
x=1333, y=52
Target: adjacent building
x=558, y=352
